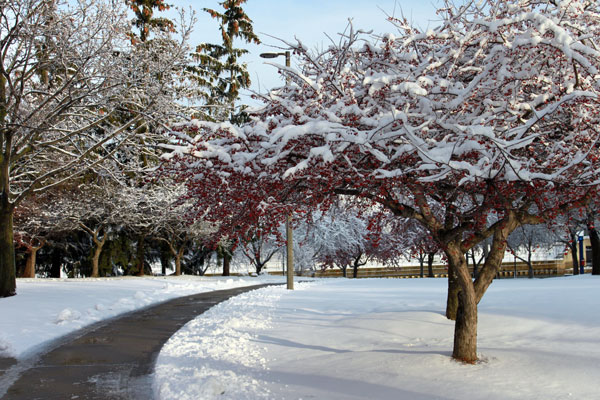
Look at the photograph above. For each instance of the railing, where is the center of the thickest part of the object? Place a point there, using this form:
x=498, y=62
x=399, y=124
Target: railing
x=540, y=268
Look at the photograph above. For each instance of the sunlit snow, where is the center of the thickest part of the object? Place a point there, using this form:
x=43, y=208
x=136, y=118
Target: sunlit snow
x=388, y=339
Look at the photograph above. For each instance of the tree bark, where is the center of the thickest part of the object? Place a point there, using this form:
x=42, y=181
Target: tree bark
x=595, y=242
x=493, y=260
x=164, y=262
x=471, y=292
x=178, y=258
x=29, y=271
x=8, y=281
x=8, y=269
x=95, y=260
x=453, y=291
x=355, y=271
x=96, y=257
x=530, y=272
x=574, y=258
x=430, y=264
x=226, y=262
x=140, y=255
x=465, y=328
x=475, y=265
x=56, y=264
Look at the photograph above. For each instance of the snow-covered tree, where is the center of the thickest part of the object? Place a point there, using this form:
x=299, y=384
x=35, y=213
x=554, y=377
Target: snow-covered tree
x=473, y=128
x=565, y=229
x=259, y=248
x=146, y=21
x=526, y=240
x=340, y=240
x=98, y=213
x=411, y=240
x=590, y=224
x=179, y=234
x=41, y=218
x=345, y=237
x=68, y=76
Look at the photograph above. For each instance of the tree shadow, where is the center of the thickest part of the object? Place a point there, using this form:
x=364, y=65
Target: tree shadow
x=265, y=339
x=330, y=387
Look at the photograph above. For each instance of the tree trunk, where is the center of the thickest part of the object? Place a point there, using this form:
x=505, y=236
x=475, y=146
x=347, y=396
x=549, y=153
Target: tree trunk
x=465, y=331
x=595, y=242
x=140, y=256
x=345, y=271
x=421, y=265
x=164, y=262
x=8, y=281
x=29, y=271
x=493, y=260
x=226, y=262
x=453, y=291
x=95, y=260
x=465, y=328
x=355, y=271
x=178, y=258
x=430, y=264
x=56, y=264
x=96, y=257
x=574, y=258
x=177, y=266
x=475, y=272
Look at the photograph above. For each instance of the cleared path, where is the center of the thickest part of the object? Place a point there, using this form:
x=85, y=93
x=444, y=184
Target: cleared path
x=112, y=359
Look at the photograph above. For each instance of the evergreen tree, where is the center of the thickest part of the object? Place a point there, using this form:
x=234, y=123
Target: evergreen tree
x=145, y=20
x=218, y=68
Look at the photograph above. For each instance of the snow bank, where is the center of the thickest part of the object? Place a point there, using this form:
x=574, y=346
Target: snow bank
x=217, y=356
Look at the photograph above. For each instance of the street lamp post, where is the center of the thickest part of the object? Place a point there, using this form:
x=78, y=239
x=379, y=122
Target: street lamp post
x=288, y=222
x=286, y=54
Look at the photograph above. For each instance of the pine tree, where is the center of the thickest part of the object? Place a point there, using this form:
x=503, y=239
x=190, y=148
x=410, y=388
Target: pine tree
x=218, y=67
x=145, y=20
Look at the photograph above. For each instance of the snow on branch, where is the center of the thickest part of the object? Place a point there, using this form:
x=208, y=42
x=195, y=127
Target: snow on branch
x=502, y=95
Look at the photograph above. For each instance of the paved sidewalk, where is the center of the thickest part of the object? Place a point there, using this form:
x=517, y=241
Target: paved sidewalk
x=112, y=359
x=5, y=364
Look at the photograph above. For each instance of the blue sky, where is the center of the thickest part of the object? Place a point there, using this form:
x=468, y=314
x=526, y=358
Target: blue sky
x=307, y=20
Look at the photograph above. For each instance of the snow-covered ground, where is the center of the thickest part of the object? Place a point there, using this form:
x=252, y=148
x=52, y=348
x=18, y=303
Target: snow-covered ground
x=45, y=309
x=388, y=339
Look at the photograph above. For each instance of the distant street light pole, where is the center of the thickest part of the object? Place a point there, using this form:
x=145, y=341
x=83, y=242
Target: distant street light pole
x=275, y=55
x=288, y=221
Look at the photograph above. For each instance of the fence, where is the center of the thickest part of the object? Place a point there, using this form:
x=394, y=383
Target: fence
x=508, y=270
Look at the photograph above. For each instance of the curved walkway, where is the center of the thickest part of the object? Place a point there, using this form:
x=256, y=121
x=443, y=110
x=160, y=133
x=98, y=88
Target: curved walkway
x=113, y=359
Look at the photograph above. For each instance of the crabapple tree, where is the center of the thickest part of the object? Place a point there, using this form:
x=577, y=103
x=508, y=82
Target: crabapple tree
x=473, y=128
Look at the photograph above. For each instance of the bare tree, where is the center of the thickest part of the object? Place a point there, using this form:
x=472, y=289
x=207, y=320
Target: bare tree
x=526, y=239
x=259, y=248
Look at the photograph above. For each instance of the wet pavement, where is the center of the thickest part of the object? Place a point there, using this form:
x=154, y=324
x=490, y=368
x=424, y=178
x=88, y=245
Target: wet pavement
x=113, y=359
